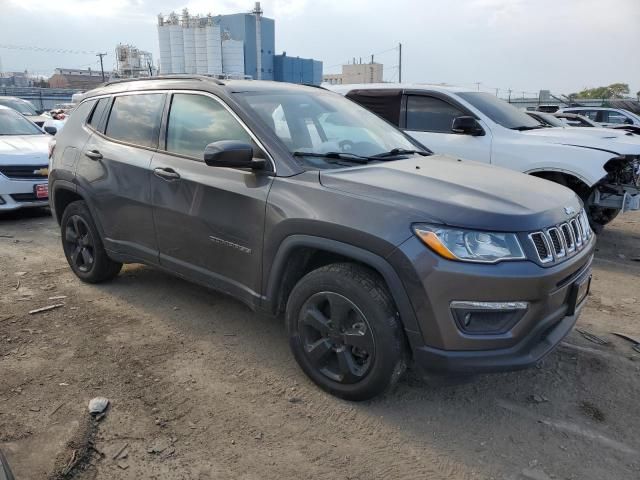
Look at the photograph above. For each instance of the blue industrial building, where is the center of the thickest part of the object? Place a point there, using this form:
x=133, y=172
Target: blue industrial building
x=242, y=26
x=297, y=70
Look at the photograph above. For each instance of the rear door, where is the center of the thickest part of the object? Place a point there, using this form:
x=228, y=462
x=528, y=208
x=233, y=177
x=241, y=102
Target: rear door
x=209, y=220
x=429, y=118
x=114, y=168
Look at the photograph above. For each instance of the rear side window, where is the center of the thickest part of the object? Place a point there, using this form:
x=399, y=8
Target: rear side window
x=430, y=114
x=611, y=116
x=94, y=121
x=195, y=121
x=136, y=119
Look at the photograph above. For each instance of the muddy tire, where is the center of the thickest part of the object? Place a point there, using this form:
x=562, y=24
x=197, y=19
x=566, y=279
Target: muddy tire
x=344, y=331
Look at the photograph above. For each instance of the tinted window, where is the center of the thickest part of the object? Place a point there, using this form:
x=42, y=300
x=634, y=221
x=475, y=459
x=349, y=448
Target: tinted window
x=196, y=121
x=136, y=119
x=499, y=111
x=592, y=114
x=98, y=111
x=611, y=116
x=430, y=114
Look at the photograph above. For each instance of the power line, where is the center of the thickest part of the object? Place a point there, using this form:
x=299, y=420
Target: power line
x=45, y=49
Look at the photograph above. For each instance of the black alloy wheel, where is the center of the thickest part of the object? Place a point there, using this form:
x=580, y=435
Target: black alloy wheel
x=336, y=337
x=79, y=243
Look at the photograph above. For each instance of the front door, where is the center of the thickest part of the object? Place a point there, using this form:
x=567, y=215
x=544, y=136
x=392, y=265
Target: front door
x=429, y=120
x=209, y=220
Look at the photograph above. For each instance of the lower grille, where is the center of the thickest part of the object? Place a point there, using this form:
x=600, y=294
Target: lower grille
x=27, y=197
x=18, y=172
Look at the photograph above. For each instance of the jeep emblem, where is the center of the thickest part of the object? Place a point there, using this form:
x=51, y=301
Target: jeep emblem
x=569, y=210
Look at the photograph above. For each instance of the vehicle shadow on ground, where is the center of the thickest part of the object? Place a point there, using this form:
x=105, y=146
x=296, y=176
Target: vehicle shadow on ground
x=551, y=412
x=24, y=214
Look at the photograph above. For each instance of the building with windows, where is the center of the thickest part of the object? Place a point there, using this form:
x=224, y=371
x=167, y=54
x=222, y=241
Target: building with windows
x=356, y=73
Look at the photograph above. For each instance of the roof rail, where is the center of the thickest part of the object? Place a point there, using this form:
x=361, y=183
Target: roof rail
x=314, y=86
x=202, y=78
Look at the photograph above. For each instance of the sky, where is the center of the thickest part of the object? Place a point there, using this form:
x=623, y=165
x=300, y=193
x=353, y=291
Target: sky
x=522, y=45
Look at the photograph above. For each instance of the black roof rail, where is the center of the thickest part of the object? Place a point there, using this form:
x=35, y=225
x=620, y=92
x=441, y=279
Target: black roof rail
x=202, y=78
x=314, y=86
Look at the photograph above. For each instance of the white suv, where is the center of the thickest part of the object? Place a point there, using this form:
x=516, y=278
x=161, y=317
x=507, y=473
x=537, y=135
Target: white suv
x=604, y=170
x=607, y=117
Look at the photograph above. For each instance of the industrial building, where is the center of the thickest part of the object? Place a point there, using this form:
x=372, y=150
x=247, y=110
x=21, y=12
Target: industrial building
x=75, y=78
x=237, y=45
x=356, y=73
x=297, y=70
x=132, y=62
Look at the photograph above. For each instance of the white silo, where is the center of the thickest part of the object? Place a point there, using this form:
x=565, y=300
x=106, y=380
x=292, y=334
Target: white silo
x=213, y=43
x=201, y=50
x=165, y=46
x=189, y=42
x=233, y=57
x=177, y=48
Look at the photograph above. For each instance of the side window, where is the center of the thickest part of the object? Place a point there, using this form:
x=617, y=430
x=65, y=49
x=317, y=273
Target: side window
x=136, y=119
x=611, y=116
x=196, y=121
x=592, y=114
x=94, y=120
x=430, y=114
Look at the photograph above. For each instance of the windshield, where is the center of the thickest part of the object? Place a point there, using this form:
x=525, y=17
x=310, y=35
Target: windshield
x=500, y=111
x=546, y=119
x=18, y=105
x=317, y=123
x=12, y=123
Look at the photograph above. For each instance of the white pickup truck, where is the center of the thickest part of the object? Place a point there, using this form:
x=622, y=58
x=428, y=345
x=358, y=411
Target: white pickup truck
x=604, y=171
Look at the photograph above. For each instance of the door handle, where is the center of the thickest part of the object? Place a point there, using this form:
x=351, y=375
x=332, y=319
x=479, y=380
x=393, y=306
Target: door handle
x=166, y=173
x=93, y=154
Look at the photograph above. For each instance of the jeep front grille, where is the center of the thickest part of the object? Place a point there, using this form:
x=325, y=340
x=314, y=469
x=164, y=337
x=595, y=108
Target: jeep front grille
x=560, y=241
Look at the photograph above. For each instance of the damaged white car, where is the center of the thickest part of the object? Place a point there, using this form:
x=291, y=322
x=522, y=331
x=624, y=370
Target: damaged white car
x=603, y=171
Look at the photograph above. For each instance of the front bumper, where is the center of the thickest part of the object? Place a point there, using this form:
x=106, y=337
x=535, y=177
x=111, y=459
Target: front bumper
x=16, y=194
x=441, y=345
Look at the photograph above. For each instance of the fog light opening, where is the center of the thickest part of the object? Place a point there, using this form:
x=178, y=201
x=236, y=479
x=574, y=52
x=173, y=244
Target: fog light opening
x=489, y=318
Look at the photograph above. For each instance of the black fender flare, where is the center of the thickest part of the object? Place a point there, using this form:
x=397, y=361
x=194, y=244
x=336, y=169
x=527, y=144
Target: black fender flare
x=372, y=260
x=60, y=184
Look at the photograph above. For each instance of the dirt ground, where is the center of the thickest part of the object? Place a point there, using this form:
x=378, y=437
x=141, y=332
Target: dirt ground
x=202, y=388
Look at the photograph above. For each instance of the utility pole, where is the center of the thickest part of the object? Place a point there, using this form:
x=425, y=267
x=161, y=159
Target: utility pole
x=509, y=95
x=372, y=58
x=400, y=63
x=478, y=85
x=497, y=90
x=101, y=64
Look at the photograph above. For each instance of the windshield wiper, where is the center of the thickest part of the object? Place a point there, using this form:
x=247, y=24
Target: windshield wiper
x=351, y=157
x=524, y=128
x=400, y=151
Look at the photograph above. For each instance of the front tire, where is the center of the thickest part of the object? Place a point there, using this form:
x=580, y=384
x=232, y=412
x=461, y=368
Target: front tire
x=344, y=331
x=83, y=246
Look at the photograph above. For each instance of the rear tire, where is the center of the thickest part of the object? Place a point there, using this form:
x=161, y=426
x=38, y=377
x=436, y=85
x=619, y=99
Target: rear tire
x=83, y=246
x=344, y=331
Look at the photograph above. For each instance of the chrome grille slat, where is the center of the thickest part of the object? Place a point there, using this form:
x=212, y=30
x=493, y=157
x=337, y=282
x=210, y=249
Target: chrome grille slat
x=561, y=241
x=567, y=237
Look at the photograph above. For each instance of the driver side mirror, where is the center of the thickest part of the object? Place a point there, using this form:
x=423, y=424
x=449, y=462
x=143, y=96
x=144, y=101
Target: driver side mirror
x=51, y=130
x=467, y=125
x=232, y=154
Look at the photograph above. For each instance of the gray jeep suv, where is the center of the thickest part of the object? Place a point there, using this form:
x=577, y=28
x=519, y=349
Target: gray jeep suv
x=296, y=201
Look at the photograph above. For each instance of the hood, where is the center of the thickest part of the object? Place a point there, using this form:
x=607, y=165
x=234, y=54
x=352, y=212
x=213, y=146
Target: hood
x=24, y=149
x=459, y=192
x=603, y=139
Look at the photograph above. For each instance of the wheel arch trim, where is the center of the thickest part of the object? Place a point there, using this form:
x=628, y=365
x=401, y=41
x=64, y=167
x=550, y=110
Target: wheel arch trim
x=372, y=260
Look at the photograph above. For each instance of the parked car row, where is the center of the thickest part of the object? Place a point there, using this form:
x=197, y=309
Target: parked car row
x=300, y=202
x=602, y=168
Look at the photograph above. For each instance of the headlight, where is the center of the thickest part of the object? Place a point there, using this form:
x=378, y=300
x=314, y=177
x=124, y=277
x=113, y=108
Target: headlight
x=470, y=245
